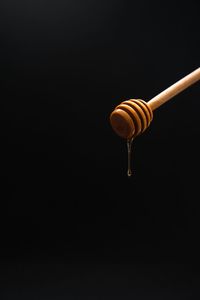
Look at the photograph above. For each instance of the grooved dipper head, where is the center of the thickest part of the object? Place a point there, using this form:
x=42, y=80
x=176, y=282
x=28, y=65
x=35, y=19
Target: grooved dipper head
x=131, y=118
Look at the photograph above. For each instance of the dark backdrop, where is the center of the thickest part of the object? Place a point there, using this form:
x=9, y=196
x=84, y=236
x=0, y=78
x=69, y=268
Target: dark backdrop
x=73, y=226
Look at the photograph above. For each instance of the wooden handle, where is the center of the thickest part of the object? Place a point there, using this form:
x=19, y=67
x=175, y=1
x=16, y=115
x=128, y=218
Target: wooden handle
x=174, y=89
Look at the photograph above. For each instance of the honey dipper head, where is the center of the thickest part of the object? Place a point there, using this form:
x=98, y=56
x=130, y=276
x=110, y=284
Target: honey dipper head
x=131, y=118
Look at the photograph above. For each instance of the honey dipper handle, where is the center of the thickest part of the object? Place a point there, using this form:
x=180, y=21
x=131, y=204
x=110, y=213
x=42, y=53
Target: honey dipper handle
x=174, y=89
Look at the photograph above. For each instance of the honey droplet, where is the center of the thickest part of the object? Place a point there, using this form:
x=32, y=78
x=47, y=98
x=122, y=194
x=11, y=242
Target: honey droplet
x=129, y=151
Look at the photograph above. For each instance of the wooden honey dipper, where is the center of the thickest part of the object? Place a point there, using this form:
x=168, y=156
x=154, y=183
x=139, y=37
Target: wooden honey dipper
x=132, y=117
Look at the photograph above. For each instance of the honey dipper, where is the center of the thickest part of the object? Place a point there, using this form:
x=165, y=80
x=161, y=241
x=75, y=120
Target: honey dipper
x=132, y=117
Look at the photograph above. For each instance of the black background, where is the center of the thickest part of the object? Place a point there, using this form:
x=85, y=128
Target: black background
x=73, y=226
